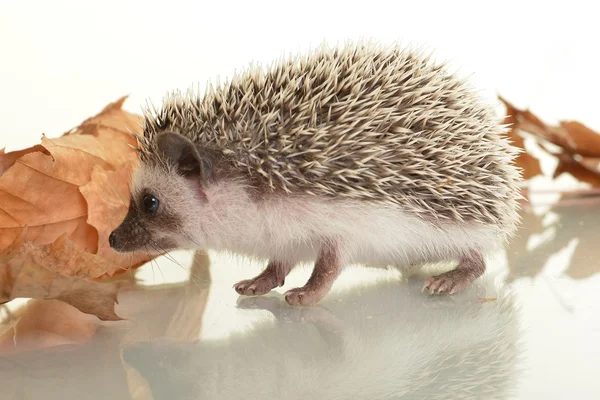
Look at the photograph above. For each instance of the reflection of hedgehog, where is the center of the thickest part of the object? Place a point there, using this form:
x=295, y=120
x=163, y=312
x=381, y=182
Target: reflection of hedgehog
x=392, y=344
x=351, y=155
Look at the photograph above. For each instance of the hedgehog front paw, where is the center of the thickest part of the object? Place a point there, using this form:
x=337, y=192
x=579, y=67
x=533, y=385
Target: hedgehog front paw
x=256, y=286
x=305, y=296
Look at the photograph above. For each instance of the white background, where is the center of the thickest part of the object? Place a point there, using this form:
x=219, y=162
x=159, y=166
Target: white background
x=62, y=61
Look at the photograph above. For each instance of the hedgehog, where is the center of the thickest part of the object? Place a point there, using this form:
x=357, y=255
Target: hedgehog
x=346, y=155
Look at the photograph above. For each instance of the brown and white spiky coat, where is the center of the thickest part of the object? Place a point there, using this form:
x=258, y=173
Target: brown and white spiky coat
x=356, y=154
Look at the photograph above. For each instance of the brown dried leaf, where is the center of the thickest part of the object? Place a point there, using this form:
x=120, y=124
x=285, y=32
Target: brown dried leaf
x=106, y=195
x=8, y=159
x=112, y=117
x=34, y=194
x=566, y=164
x=28, y=270
x=525, y=120
x=40, y=188
x=578, y=139
x=529, y=164
x=574, y=138
x=41, y=192
x=591, y=163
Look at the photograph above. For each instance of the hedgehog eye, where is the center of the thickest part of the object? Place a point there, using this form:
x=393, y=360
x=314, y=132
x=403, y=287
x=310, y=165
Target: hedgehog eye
x=150, y=203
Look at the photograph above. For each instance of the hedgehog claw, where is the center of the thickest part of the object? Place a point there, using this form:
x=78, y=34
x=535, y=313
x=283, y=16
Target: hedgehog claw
x=432, y=285
x=272, y=277
x=444, y=284
x=302, y=297
x=469, y=268
x=255, y=286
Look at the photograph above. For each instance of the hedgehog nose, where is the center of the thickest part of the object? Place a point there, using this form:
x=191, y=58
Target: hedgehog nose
x=112, y=239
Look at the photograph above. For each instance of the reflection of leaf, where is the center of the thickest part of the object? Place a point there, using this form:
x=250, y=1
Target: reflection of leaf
x=581, y=221
x=28, y=270
x=577, y=221
x=29, y=348
x=182, y=305
x=584, y=260
x=86, y=366
x=46, y=323
x=520, y=262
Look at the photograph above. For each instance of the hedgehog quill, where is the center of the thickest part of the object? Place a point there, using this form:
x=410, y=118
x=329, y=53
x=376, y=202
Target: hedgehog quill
x=347, y=155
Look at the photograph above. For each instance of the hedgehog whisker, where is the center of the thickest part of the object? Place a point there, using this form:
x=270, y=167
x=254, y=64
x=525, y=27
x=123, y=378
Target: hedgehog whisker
x=151, y=263
x=166, y=254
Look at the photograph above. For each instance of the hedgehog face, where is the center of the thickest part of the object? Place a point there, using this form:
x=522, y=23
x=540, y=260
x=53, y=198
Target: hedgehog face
x=166, y=194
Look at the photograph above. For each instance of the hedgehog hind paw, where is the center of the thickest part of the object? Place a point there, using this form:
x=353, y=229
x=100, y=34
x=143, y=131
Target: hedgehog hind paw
x=446, y=283
x=457, y=280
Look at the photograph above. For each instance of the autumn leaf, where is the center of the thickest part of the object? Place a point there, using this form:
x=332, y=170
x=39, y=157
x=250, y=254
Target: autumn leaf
x=29, y=270
x=32, y=194
x=580, y=146
x=59, y=201
x=112, y=117
x=528, y=164
x=107, y=195
x=60, y=187
x=577, y=138
x=7, y=160
x=579, y=170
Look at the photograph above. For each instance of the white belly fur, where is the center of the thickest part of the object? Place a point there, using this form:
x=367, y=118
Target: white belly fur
x=292, y=229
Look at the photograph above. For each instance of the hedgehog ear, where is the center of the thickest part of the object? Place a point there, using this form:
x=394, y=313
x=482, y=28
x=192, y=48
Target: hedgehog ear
x=183, y=154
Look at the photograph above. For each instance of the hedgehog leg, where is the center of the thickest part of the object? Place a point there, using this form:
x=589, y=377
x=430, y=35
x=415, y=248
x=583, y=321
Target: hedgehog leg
x=326, y=270
x=272, y=277
x=468, y=269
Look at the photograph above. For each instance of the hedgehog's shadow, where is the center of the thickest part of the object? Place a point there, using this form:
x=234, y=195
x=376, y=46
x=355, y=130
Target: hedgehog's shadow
x=382, y=341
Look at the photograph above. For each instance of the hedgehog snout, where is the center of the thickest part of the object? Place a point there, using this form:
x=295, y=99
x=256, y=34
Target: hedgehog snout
x=126, y=237
x=112, y=239
x=117, y=239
